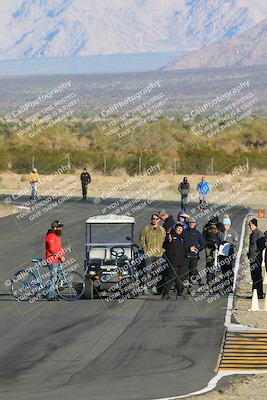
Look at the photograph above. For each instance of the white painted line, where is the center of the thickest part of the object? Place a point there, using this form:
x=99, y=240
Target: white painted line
x=213, y=382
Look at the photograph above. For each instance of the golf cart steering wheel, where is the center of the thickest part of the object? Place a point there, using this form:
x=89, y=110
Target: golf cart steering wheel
x=117, y=251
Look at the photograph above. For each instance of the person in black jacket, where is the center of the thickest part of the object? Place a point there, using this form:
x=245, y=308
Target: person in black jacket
x=256, y=245
x=175, y=254
x=85, y=181
x=193, y=237
x=184, y=189
x=168, y=221
x=213, y=236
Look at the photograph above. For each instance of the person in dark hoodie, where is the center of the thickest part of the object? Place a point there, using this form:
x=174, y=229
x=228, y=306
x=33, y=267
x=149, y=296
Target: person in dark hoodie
x=193, y=237
x=213, y=236
x=85, y=181
x=175, y=254
x=184, y=189
x=256, y=246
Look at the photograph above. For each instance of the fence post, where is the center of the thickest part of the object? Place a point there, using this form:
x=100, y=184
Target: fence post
x=139, y=165
x=212, y=165
x=247, y=165
x=105, y=165
x=32, y=162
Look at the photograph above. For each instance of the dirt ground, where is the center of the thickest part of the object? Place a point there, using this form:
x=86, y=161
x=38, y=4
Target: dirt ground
x=255, y=186
x=241, y=388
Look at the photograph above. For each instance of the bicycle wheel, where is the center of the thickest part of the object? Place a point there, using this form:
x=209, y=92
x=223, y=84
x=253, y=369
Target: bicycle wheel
x=71, y=286
x=23, y=285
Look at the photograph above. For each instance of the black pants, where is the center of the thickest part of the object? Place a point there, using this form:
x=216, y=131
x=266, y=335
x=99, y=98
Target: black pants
x=193, y=275
x=177, y=275
x=210, y=265
x=84, y=190
x=256, y=275
x=227, y=271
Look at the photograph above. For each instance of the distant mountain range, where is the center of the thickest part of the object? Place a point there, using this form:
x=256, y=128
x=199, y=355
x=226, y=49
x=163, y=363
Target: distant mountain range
x=60, y=28
x=249, y=48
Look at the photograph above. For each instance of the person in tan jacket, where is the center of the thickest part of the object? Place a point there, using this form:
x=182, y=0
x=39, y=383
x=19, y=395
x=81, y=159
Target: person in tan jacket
x=34, y=179
x=151, y=241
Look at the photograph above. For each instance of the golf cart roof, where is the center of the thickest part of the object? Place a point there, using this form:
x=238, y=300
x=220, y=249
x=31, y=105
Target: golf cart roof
x=110, y=219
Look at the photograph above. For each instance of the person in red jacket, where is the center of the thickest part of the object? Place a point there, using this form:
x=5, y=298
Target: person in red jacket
x=54, y=255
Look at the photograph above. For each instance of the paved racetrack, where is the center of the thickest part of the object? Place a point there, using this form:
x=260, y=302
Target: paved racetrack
x=85, y=350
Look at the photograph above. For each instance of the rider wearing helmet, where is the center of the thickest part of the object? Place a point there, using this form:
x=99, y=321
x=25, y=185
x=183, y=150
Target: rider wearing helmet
x=54, y=255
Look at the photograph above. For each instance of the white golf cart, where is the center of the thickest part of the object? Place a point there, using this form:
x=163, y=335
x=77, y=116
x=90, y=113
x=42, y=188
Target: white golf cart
x=109, y=252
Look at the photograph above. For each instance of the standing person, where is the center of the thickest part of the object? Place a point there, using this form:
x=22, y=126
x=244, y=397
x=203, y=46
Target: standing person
x=34, y=179
x=54, y=255
x=184, y=189
x=226, y=252
x=175, y=254
x=255, y=257
x=167, y=219
x=203, y=189
x=151, y=241
x=85, y=181
x=212, y=234
x=193, y=237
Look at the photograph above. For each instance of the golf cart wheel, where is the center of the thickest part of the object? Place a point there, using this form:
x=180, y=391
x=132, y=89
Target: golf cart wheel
x=72, y=287
x=23, y=285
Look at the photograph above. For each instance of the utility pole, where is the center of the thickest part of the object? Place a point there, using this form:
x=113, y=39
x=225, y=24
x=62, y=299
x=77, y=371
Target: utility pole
x=212, y=165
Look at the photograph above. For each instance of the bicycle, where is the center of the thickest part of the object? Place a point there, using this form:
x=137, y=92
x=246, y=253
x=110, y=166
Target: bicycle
x=30, y=283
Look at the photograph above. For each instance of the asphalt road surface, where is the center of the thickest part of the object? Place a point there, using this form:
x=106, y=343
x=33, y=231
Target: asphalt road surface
x=87, y=349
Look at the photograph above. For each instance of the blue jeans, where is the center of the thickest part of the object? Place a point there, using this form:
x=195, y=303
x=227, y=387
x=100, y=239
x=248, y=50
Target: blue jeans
x=34, y=190
x=52, y=294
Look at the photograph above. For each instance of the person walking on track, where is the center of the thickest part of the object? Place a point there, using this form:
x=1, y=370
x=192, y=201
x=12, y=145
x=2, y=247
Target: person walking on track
x=85, y=181
x=34, y=179
x=184, y=189
x=203, y=189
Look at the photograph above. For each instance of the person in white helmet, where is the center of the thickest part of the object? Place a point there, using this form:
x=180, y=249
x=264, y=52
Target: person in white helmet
x=34, y=179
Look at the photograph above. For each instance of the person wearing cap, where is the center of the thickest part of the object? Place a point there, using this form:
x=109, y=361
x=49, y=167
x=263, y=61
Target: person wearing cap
x=183, y=218
x=34, y=179
x=54, y=255
x=194, y=238
x=213, y=235
x=178, y=267
x=85, y=181
x=167, y=219
x=256, y=246
x=226, y=251
x=151, y=241
x=203, y=189
x=184, y=189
